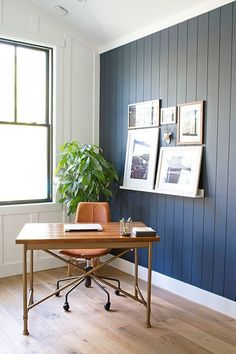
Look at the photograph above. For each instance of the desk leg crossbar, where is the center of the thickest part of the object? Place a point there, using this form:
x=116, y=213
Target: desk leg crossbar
x=28, y=303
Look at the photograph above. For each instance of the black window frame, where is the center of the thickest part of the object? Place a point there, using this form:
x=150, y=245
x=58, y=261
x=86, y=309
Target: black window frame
x=48, y=115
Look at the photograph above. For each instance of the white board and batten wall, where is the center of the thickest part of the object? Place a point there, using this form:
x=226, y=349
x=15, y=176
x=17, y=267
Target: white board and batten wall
x=75, y=102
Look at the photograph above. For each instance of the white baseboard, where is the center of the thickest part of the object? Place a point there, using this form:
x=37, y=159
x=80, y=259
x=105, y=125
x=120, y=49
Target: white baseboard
x=190, y=292
x=8, y=270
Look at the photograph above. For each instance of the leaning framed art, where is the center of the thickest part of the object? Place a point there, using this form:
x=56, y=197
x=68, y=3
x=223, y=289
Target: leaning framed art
x=143, y=114
x=179, y=170
x=190, y=123
x=140, y=161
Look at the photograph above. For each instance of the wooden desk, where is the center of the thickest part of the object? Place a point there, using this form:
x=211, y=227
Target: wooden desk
x=39, y=236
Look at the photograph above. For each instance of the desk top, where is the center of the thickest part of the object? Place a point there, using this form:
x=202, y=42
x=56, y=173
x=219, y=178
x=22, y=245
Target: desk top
x=41, y=233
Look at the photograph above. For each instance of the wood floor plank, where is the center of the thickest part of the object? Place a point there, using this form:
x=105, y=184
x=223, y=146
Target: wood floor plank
x=214, y=328
x=178, y=326
x=209, y=342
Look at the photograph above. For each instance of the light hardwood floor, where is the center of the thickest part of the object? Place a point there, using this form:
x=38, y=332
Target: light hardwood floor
x=178, y=326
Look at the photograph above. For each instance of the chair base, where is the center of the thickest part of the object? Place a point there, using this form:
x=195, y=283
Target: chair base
x=87, y=279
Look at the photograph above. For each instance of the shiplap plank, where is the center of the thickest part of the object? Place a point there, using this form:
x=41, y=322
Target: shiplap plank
x=112, y=122
x=102, y=102
x=155, y=66
x=172, y=69
x=191, y=96
x=147, y=77
x=169, y=235
x=230, y=275
x=179, y=201
x=202, y=57
x=161, y=211
x=161, y=231
x=140, y=98
x=152, y=222
x=140, y=71
x=164, y=63
x=210, y=152
x=147, y=90
x=155, y=94
x=178, y=238
x=119, y=163
x=182, y=62
x=105, y=123
x=133, y=72
x=132, y=99
x=125, y=102
x=171, y=101
x=145, y=198
x=223, y=148
x=126, y=96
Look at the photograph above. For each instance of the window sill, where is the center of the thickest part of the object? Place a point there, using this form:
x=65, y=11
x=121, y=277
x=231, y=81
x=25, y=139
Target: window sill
x=29, y=208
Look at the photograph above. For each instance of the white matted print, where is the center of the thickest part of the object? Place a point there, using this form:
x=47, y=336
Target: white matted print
x=179, y=170
x=140, y=161
x=168, y=115
x=143, y=114
x=190, y=123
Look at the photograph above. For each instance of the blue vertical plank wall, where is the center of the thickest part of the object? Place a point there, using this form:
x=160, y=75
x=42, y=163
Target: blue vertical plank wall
x=194, y=60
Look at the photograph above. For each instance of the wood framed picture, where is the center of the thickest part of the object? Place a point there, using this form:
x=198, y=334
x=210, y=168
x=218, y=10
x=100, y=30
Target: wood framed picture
x=140, y=162
x=168, y=115
x=190, y=123
x=179, y=170
x=143, y=114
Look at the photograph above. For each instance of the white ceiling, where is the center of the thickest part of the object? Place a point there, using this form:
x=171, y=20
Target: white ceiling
x=103, y=22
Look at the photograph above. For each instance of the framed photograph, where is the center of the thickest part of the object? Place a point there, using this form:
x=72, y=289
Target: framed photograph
x=143, y=114
x=190, y=123
x=179, y=170
x=168, y=115
x=140, y=161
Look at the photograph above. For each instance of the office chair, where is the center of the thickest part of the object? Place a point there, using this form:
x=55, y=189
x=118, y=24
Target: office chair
x=89, y=212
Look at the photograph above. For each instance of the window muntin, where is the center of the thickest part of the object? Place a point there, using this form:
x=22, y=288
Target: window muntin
x=25, y=124
x=7, y=88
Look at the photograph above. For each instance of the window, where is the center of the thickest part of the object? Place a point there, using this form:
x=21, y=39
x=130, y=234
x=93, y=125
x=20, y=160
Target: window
x=25, y=123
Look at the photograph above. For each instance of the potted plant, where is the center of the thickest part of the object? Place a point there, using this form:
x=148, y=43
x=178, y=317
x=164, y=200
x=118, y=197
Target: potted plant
x=83, y=174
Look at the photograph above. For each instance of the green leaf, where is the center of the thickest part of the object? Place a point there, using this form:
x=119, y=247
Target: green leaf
x=83, y=174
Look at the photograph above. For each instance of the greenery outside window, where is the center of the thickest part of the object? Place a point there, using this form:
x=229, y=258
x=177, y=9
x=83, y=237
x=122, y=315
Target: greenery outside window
x=25, y=123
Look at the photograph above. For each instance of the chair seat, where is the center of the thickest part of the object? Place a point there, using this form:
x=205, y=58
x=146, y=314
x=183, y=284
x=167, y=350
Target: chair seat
x=85, y=253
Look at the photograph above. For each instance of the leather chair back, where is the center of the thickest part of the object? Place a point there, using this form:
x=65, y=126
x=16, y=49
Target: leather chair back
x=98, y=212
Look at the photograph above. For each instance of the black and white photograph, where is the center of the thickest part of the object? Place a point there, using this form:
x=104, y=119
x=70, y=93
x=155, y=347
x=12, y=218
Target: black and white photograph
x=179, y=170
x=168, y=115
x=140, y=160
x=190, y=123
x=143, y=114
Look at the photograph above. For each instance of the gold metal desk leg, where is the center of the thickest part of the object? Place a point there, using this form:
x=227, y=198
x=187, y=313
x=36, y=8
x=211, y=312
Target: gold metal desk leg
x=136, y=272
x=149, y=285
x=25, y=310
x=31, y=300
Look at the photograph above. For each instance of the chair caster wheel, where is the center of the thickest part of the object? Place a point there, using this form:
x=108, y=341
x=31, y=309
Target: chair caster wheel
x=107, y=306
x=66, y=306
x=87, y=282
x=58, y=293
x=117, y=292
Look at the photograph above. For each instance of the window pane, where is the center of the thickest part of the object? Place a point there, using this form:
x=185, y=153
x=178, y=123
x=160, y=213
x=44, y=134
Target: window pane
x=31, y=85
x=23, y=156
x=7, y=105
